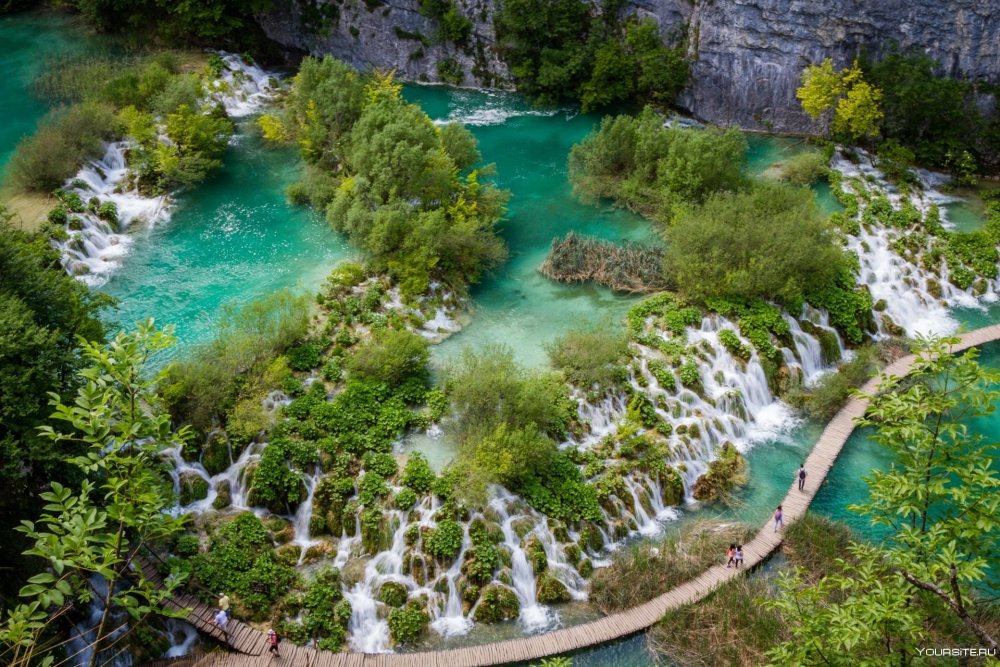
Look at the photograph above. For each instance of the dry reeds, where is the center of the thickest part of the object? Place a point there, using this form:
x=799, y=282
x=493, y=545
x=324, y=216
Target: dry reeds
x=630, y=267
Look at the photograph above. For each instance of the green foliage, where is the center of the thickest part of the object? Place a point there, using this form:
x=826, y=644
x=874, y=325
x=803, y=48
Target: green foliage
x=66, y=138
x=325, y=613
x=240, y=555
x=938, y=503
x=405, y=499
x=653, y=170
x=241, y=360
x=408, y=624
x=393, y=593
x=591, y=359
x=824, y=400
x=849, y=305
x=562, y=51
x=44, y=317
x=450, y=71
x=391, y=356
x=197, y=138
x=445, y=540
x=399, y=192
x=304, y=357
x=417, y=473
x=805, y=168
x=496, y=604
x=724, y=474
x=856, y=104
x=769, y=243
x=935, y=117
x=275, y=485
x=734, y=345
x=211, y=21
x=118, y=425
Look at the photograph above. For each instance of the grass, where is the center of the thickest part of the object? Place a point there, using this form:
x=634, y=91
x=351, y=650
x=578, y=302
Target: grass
x=643, y=571
x=630, y=268
x=29, y=208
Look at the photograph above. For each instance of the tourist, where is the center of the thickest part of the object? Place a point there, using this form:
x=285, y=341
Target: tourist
x=730, y=555
x=802, y=476
x=272, y=642
x=221, y=620
x=224, y=605
x=739, y=555
x=779, y=519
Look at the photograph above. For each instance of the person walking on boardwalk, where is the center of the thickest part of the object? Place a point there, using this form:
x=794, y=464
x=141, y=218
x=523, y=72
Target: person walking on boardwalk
x=272, y=642
x=739, y=555
x=802, y=476
x=224, y=605
x=730, y=555
x=222, y=620
x=779, y=519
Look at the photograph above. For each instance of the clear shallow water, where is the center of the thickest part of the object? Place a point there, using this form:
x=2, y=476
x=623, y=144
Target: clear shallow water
x=517, y=306
x=231, y=239
x=29, y=40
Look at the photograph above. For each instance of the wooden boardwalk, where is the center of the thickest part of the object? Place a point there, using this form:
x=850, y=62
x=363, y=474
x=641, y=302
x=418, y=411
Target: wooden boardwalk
x=608, y=628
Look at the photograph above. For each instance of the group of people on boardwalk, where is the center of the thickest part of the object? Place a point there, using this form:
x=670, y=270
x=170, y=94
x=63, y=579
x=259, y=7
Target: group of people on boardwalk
x=734, y=555
x=222, y=620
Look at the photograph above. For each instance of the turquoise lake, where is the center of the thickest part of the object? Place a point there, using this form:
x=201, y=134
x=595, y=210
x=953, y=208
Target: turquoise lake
x=235, y=238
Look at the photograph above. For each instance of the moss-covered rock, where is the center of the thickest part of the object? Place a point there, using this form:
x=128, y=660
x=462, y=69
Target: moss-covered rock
x=497, y=603
x=551, y=590
x=829, y=346
x=223, y=495
x=215, y=456
x=193, y=487
x=585, y=567
x=724, y=474
x=408, y=623
x=317, y=552
x=393, y=594
x=288, y=554
x=535, y=552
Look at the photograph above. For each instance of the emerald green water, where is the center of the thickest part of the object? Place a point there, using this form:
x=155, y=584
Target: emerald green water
x=29, y=40
x=231, y=239
x=235, y=238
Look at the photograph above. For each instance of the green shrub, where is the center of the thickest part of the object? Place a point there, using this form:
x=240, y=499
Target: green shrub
x=304, y=357
x=391, y=356
x=407, y=624
x=805, y=168
x=445, y=541
x=65, y=139
x=590, y=358
x=417, y=473
x=393, y=593
x=405, y=499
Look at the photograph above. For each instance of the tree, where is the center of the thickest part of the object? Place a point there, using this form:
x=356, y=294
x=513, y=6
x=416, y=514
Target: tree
x=391, y=356
x=97, y=532
x=857, y=113
x=44, y=313
x=938, y=503
x=769, y=243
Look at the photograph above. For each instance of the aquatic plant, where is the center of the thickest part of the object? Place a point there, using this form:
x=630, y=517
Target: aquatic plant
x=630, y=267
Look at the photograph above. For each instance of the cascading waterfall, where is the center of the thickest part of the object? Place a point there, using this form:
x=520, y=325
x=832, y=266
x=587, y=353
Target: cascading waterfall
x=917, y=300
x=533, y=617
x=95, y=246
x=302, y=516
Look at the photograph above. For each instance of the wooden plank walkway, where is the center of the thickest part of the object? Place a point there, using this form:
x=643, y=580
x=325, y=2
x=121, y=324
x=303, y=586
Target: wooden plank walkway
x=621, y=624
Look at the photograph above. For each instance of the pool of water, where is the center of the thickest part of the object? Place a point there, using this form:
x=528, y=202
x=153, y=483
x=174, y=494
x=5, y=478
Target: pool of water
x=29, y=41
x=231, y=239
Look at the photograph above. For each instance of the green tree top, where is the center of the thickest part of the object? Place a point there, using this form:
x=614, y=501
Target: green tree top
x=857, y=111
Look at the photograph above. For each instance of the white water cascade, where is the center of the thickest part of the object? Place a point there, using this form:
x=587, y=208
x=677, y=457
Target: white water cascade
x=95, y=247
x=918, y=300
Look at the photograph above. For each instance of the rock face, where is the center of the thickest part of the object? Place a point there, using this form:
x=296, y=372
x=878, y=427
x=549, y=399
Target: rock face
x=748, y=54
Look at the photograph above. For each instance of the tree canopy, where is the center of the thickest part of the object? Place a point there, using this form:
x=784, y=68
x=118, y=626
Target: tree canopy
x=770, y=243
x=857, y=112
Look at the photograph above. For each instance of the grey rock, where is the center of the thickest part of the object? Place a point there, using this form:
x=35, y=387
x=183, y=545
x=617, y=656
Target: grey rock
x=747, y=55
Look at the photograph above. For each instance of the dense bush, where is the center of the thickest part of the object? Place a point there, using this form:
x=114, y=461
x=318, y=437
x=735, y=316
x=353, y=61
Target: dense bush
x=591, y=358
x=768, y=243
x=399, y=191
x=937, y=117
x=417, y=473
x=563, y=50
x=652, y=170
x=240, y=360
x=407, y=624
x=822, y=401
x=241, y=554
x=44, y=315
x=65, y=139
x=391, y=356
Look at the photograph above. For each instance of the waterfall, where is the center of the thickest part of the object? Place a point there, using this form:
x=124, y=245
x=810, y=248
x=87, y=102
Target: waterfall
x=450, y=621
x=183, y=636
x=534, y=617
x=95, y=247
x=917, y=299
x=303, y=514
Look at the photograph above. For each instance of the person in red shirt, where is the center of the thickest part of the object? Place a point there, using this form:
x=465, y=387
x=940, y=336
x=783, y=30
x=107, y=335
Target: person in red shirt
x=272, y=642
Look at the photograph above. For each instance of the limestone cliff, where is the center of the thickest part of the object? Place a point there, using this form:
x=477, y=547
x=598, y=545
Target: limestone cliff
x=747, y=54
